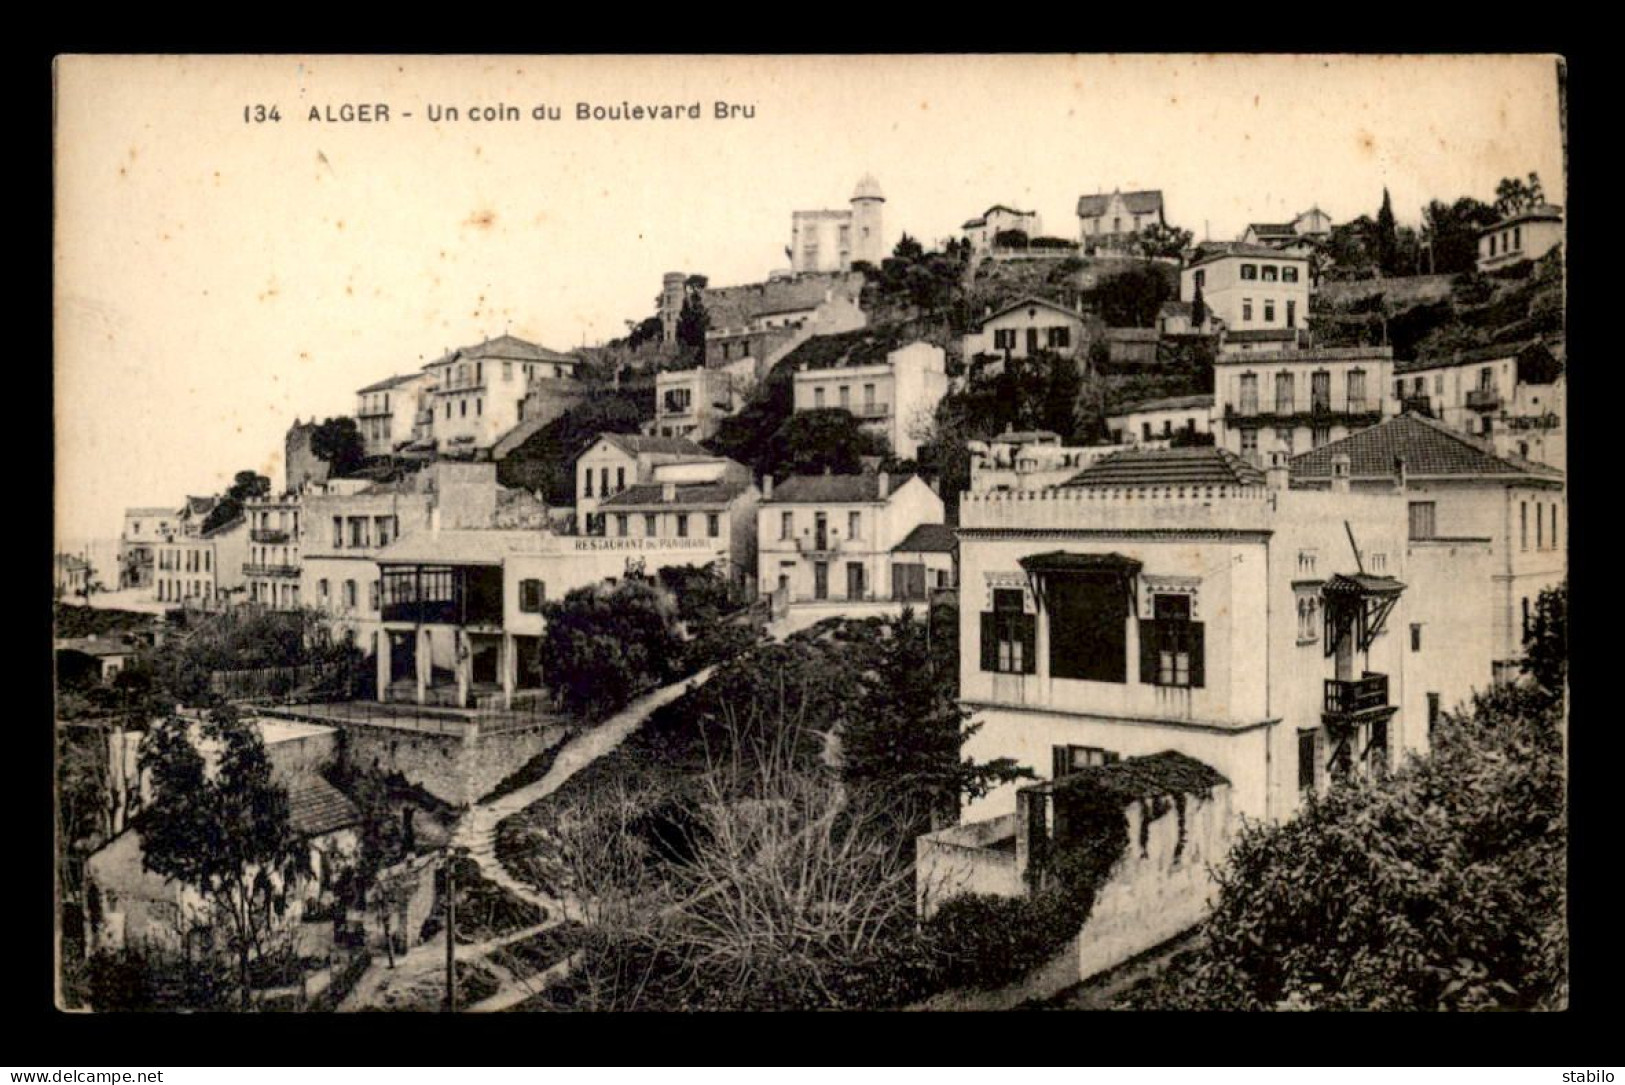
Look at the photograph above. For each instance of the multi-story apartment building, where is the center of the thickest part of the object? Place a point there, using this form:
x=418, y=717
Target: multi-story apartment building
x=1527, y=235
x=822, y=241
x=1250, y=288
x=1455, y=488
x=1184, y=600
x=386, y=412
x=1110, y=222
x=689, y=499
x=616, y=461
x=1025, y=328
x=202, y=569
x=692, y=402
x=1160, y=419
x=272, y=568
x=827, y=544
x=144, y=529
x=1513, y=396
x=479, y=391
x=895, y=398
x=1292, y=401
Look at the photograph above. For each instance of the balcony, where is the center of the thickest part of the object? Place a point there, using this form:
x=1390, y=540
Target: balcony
x=287, y=571
x=1483, y=399
x=269, y=535
x=812, y=545
x=872, y=411
x=1346, y=700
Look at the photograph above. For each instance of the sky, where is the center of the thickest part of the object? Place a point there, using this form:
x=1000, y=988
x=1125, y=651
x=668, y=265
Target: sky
x=217, y=278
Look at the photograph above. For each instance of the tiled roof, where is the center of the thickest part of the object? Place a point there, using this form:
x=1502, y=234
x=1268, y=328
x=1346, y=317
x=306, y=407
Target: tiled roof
x=1026, y=436
x=513, y=348
x=1430, y=449
x=833, y=489
x=1031, y=300
x=736, y=306
x=150, y=510
x=1274, y=229
x=1209, y=251
x=1540, y=211
x=389, y=382
x=635, y=443
x=97, y=646
x=316, y=807
x=1169, y=467
x=692, y=495
x=862, y=346
x=1138, y=203
x=1171, y=403
x=929, y=539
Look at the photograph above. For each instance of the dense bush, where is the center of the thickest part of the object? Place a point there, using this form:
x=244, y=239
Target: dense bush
x=603, y=645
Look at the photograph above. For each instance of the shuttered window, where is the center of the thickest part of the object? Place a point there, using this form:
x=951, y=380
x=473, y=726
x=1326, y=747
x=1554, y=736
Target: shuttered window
x=1009, y=635
x=1171, y=645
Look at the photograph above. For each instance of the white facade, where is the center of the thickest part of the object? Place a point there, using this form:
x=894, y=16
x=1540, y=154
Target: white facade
x=386, y=412
x=1251, y=288
x=615, y=461
x=1025, y=328
x=1159, y=420
x=1293, y=401
x=982, y=230
x=272, y=565
x=1528, y=235
x=1484, y=397
x=896, y=399
x=692, y=402
x=835, y=240
x=479, y=391
x=1028, y=461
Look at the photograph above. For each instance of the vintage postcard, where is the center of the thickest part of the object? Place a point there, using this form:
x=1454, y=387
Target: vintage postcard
x=609, y=533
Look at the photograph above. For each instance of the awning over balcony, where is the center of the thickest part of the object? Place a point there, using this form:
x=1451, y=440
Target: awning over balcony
x=1358, y=602
x=1040, y=568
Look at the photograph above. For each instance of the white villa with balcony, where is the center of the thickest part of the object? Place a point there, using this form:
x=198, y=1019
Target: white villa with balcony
x=387, y=411
x=272, y=568
x=1291, y=401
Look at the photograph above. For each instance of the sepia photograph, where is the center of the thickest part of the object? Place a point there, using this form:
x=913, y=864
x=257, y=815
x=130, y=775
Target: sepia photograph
x=781, y=533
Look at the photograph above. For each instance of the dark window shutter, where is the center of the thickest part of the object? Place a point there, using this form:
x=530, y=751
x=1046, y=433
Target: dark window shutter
x=1029, y=644
x=1060, y=762
x=990, y=642
x=1148, y=652
x=1198, y=656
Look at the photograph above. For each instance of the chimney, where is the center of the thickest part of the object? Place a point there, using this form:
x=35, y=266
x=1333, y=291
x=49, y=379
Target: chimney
x=1340, y=473
x=1399, y=473
x=883, y=484
x=767, y=487
x=1279, y=473
x=668, y=492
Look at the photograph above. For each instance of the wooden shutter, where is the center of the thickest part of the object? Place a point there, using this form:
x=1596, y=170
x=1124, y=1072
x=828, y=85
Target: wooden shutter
x=990, y=642
x=1198, y=656
x=1060, y=761
x=1029, y=644
x=1150, y=637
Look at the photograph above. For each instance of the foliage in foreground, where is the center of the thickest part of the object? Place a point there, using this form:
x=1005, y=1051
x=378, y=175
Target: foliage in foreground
x=1439, y=888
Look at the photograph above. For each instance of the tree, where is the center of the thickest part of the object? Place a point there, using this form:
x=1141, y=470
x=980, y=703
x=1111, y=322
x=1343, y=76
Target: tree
x=1132, y=298
x=827, y=439
x=338, y=442
x=908, y=249
x=692, y=322
x=602, y=645
x=1198, y=309
x=1452, y=232
x=1513, y=195
x=1546, y=644
x=1387, y=237
x=1160, y=239
x=1438, y=887
x=224, y=833
x=1010, y=239
x=248, y=485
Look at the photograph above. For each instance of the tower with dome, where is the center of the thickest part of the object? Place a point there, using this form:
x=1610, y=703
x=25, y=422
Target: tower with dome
x=824, y=241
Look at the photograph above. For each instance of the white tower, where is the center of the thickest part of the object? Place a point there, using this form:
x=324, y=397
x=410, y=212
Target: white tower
x=868, y=224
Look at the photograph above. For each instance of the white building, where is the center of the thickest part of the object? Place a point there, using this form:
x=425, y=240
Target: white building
x=984, y=229
x=1250, y=288
x=1457, y=490
x=712, y=499
x=823, y=241
x=1514, y=396
x=272, y=567
x=479, y=391
x=895, y=398
x=1160, y=419
x=616, y=461
x=1110, y=222
x=144, y=528
x=1291, y=401
x=1183, y=600
x=1526, y=235
x=691, y=403
x=1024, y=328
x=828, y=544
x=387, y=411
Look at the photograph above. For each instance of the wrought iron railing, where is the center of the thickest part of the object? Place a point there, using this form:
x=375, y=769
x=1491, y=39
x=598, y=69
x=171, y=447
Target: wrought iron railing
x=1357, y=695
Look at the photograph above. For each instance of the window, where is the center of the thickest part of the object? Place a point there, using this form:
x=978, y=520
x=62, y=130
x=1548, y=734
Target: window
x=1249, y=393
x=1199, y=279
x=1065, y=760
x=1523, y=525
x=713, y=524
x=1526, y=617
x=1517, y=237
x=372, y=595
x=507, y=371
x=1249, y=446
x=338, y=533
x=1249, y=271
x=1269, y=310
x=1246, y=310
x=358, y=531
x=384, y=529
x=1308, y=760
x=1416, y=636
x=1319, y=436
x=1320, y=391
x=1540, y=530
x=1145, y=430
x=1289, y=274
x=586, y=483
x=1171, y=644
x=621, y=521
x=1308, y=617
x=1088, y=630
x=845, y=395
x=448, y=408
x=1434, y=713
x=1356, y=390
x=603, y=482
x=1060, y=338
x=462, y=408
x=785, y=525
x=479, y=405
x=818, y=398
x=1004, y=339
x=1423, y=524
x=854, y=525
x=1271, y=273
x=1009, y=634
x=349, y=594
x=1283, y=438
x=682, y=525
x=1554, y=525
x=531, y=594
x=1285, y=400
x=650, y=526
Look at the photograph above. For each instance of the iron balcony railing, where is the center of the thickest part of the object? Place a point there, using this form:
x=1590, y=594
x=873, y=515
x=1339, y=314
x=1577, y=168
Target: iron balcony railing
x=271, y=570
x=268, y=535
x=1363, y=694
x=1483, y=399
x=872, y=410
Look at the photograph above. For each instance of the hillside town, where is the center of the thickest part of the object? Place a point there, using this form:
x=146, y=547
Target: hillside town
x=940, y=624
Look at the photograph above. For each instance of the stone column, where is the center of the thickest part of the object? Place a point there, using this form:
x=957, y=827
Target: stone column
x=424, y=659
x=465, y=663
x=383, y=665
x=510, y=669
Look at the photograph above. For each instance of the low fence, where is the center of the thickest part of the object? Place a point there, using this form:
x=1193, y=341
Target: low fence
x=282, y=683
